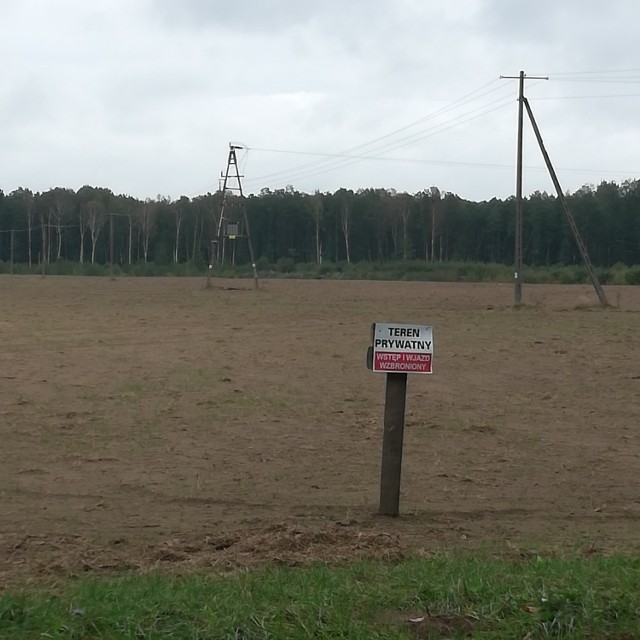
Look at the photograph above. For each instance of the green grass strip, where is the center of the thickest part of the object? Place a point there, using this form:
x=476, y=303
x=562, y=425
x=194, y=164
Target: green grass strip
x=440, y=597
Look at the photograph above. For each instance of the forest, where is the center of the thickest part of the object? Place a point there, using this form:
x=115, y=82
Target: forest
x=95, y=226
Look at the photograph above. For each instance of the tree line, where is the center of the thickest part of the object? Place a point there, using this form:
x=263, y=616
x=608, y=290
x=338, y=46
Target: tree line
x=94, y=225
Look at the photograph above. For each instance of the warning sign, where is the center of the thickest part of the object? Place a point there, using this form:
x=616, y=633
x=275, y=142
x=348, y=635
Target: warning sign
x=402, y=348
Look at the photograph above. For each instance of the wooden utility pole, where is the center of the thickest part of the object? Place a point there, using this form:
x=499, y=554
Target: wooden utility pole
x=518, y=234
x=517, y=266
x=210, y=265
x=111, y=244
x=13, y=233
x=433, y=232
x=582, y=247
x=44, y=245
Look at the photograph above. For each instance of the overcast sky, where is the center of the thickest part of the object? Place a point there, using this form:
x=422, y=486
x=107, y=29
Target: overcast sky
x=144, y=96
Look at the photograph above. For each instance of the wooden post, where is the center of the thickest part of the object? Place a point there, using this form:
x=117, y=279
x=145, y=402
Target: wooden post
x=43, y=257
x=251, y=254
x=517, y=262
x=12, y=242
x=111, y=244
x=392, y=440
x=518, y=249
x=210, y=266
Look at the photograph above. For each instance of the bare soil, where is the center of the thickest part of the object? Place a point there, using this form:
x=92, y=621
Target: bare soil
x=153, y=422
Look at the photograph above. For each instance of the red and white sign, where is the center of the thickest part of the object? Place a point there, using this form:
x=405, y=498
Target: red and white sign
x=402, y=348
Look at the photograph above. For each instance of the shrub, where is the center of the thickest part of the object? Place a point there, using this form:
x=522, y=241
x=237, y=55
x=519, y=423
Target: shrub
x=62, y=268
x=185, y=269
x=145, y=269
x=326, y=269
x=633, y=275
x=93, y=269
x=572, y=275
x=263, y=265
x=604, y=275
x=285, y=265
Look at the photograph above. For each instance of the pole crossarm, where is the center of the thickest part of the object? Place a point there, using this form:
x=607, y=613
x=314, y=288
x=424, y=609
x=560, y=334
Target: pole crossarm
x=526, y=77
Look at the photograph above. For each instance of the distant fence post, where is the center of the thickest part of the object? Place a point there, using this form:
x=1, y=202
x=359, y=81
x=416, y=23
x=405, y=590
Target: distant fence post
x=13, y=233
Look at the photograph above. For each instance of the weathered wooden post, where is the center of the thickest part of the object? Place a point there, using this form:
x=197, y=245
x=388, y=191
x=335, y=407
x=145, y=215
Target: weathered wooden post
x=397, y=349
x=11, y=255
x=392, y=440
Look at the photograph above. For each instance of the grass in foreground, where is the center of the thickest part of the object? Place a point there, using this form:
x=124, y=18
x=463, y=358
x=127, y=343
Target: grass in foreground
x=439, y=597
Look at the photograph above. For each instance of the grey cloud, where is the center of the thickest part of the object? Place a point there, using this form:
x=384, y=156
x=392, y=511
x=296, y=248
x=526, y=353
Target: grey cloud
x=245, y=16
x=563, y=35
x=165, y=84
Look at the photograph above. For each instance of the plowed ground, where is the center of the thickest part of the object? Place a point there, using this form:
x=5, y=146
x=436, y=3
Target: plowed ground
x=153, y=421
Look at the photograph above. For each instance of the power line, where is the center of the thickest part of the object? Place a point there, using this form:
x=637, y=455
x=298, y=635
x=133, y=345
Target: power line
x=600, y=80
x=450, y=163
x=592, y=97
x=327, y=162
x=329, y=165
x=455, y=104
x=20, y=230
x=592, y=72
x=332, y=165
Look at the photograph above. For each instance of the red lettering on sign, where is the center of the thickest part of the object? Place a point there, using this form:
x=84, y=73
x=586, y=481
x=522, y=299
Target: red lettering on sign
x=402, y=362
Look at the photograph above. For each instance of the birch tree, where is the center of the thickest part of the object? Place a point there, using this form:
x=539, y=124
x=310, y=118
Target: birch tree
x=30, y=216
x=147, y=222
x=96, y=217
x=63, y=200
x=318, y=210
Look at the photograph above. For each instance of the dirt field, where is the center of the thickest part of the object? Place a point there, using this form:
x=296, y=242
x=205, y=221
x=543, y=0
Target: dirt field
x=152, y=421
